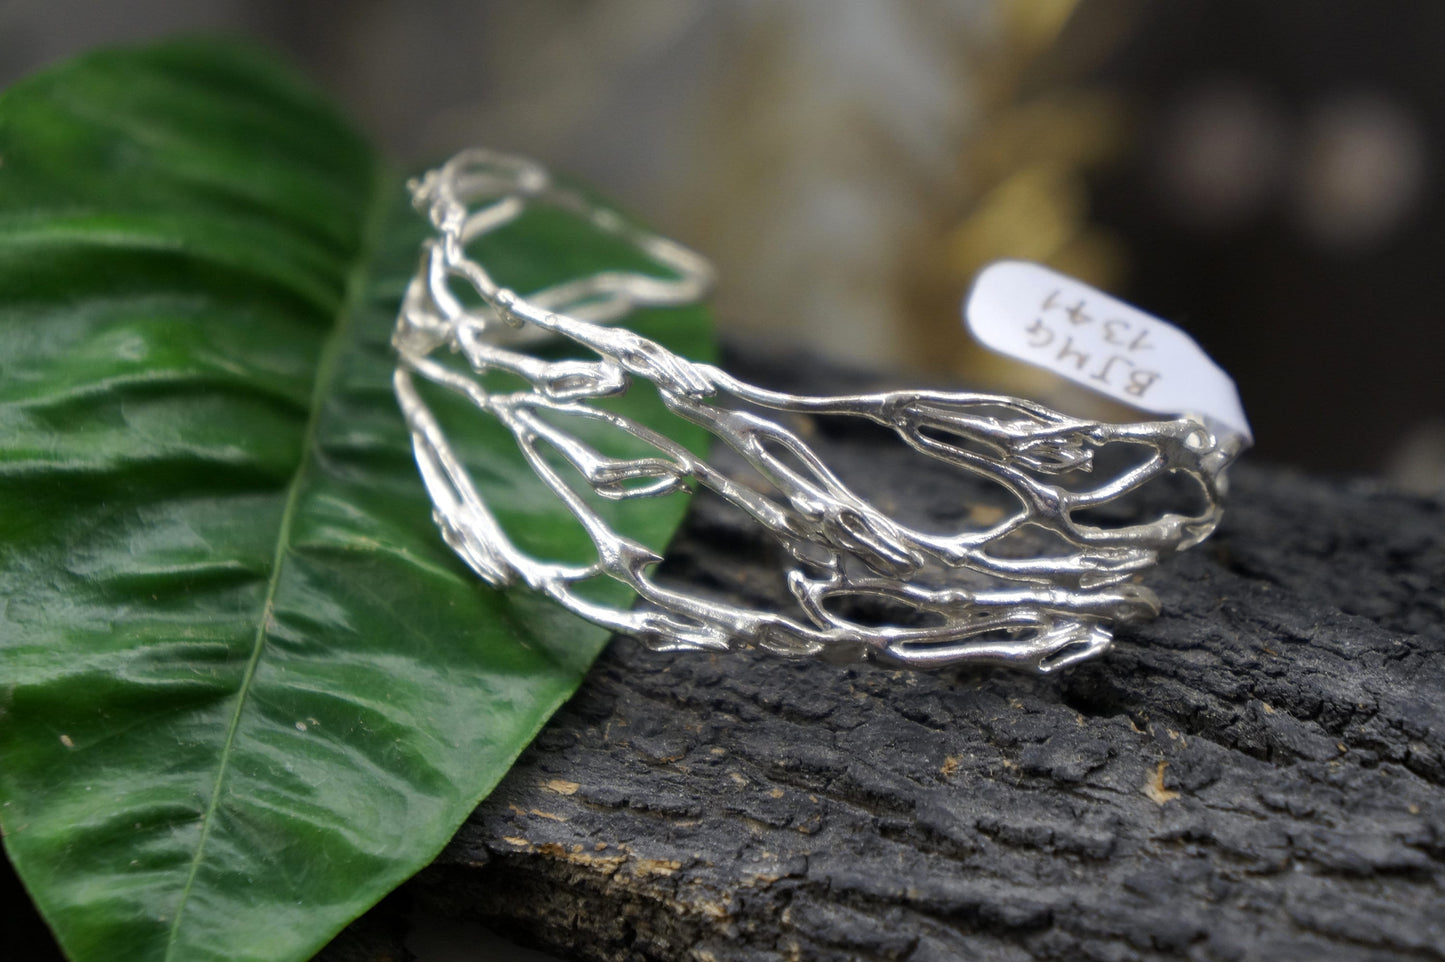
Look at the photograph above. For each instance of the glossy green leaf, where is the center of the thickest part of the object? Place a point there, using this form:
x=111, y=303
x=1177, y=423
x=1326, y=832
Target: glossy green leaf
x=245, y=690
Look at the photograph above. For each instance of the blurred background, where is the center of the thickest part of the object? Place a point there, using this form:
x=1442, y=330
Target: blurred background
x=1266, y=175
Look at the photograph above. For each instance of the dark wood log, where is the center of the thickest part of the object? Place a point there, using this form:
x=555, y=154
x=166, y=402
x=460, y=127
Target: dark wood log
x=1256, y=774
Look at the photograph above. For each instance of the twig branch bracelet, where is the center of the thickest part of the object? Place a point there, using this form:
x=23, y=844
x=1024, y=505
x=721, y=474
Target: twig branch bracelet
x=968, y=598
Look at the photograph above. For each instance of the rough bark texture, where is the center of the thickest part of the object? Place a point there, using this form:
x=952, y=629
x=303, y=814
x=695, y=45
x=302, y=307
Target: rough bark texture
x=1256, y=774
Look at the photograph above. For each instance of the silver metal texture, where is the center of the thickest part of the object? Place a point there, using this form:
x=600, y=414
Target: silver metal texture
x=968, y=596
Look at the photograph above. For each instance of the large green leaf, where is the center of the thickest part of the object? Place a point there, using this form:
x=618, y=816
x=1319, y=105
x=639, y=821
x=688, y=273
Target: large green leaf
x=244, y=688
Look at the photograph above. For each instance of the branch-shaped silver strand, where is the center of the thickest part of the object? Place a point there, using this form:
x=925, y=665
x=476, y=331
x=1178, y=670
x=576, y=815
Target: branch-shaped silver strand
x=969, y=602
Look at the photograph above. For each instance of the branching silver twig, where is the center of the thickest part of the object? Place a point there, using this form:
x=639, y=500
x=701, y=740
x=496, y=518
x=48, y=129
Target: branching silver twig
x=965, y=599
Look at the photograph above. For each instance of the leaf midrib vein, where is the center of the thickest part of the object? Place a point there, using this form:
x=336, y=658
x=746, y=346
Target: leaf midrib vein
x=353, y=293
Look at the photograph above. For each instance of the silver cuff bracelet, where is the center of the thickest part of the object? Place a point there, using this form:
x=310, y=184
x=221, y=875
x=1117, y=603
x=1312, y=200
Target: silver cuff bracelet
x=969, y=596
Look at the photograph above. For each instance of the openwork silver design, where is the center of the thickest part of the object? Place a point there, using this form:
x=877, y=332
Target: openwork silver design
x=968, y=596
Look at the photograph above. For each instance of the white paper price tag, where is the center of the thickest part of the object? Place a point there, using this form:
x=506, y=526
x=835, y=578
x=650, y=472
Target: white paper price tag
x=1038, y=315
